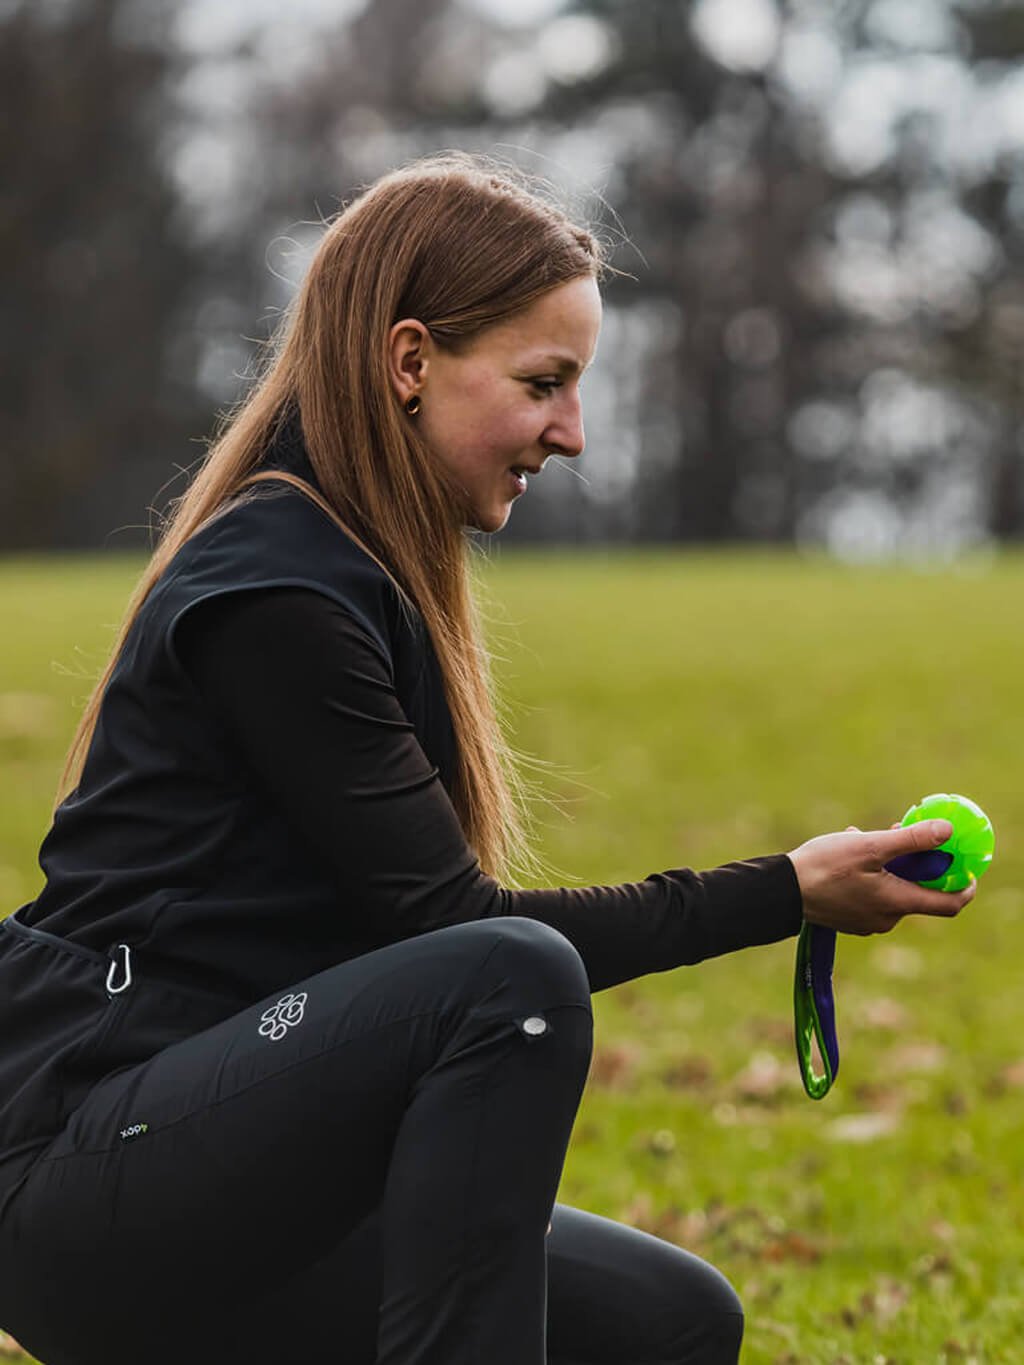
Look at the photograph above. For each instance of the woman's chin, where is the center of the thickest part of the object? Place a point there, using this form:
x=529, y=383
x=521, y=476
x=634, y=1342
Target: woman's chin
x=494, y=519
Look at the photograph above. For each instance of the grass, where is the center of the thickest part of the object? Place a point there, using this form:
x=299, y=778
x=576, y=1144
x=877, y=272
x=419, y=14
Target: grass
x=697, y=708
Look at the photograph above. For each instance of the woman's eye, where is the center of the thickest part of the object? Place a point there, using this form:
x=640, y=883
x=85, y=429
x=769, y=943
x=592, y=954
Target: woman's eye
x=546, y=386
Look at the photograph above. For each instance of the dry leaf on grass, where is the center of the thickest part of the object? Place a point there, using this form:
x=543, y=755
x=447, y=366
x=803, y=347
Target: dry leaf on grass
x=765, y=1079
x=880, y=1097
x=893, y=959
x=879, y=1305
x=861, y=1127
x=793, y=1246
x=692, y=1072
x=882, y=1013
x=613, y=1068
x=771, y=1031
x=1013, y=1075
x=921, y=1055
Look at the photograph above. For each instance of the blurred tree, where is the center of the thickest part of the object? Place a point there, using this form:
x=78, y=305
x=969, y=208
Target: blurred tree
x=807, y=332
x=989, y=353
x=97, y=376
x=935, y=225
x=818, y=357
x=726, y=193
x=368, y=99
x=989, y=356
x=369, y=102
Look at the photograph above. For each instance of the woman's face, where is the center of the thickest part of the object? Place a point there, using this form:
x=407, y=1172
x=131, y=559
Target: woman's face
x=509, y=401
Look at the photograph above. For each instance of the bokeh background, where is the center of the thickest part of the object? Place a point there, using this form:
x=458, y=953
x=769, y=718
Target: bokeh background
x=780, y=593
x=818, y=207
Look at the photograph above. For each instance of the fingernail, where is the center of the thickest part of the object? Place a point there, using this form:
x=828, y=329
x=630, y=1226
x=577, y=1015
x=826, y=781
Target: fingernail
x=941, y=830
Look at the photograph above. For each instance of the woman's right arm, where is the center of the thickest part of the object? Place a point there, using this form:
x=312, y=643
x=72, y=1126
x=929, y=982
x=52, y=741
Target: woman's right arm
x=306, y=698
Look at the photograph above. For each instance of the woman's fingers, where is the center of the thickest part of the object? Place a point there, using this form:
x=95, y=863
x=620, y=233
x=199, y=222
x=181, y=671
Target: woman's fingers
x=917, y=838
x=844, y=884
x=914, y=899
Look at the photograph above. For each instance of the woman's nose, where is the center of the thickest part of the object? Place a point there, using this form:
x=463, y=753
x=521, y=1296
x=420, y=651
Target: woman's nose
x=565, y=436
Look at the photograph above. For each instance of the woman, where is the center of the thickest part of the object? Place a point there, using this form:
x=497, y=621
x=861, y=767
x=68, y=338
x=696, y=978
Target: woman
x=286, y=1071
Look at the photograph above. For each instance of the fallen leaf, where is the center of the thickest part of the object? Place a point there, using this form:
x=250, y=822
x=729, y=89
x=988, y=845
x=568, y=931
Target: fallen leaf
x=793, y=1247
x=773, y=1030
x=1013, y=1075
x=896, y=960
x=956, y=1350
x=922, y=1055
x=878, y=1306
x=613, y=1068
x=765, y=1078
x=880, y=1097
x=670, y=1224
x=882, y=1013
x=861, y=1127
x=637, y=1213
x=692, y=1072
x=937, y=1268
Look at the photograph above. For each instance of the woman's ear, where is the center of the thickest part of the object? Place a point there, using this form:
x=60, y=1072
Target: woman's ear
x=408, y=358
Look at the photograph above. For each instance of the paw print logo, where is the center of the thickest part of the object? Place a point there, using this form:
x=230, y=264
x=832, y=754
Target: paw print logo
x=284, y=1015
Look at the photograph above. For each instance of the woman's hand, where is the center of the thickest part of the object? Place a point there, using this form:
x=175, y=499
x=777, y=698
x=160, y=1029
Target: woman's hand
x=844, y=884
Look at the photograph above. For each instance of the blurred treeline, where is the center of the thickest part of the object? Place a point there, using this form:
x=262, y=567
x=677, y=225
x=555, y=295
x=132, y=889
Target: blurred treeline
x=818, y=210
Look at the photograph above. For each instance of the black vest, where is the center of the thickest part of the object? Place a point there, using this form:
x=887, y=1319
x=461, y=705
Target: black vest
x=166, y=845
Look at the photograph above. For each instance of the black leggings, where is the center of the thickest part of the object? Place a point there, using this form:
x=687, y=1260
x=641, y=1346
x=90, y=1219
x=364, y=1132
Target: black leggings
x=358, y=1170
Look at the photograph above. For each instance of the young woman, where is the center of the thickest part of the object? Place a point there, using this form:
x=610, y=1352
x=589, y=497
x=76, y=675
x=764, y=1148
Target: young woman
x=288, y=1069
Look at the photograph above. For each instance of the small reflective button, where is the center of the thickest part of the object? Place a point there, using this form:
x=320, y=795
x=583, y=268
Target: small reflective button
x=535, y=1026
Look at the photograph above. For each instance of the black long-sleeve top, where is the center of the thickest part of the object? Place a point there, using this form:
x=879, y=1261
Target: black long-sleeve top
x=306, y=697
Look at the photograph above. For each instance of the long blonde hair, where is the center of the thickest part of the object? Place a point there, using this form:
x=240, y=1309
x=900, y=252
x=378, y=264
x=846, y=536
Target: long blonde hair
x=461, y=244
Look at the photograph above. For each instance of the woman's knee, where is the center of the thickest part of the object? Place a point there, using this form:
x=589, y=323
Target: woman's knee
x=617, y=1293
x=541, y=961
x=713, y=1335
x=726, y=1338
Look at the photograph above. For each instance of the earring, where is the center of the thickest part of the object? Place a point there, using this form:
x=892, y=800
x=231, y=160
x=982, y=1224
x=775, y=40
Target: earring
x=412, y=405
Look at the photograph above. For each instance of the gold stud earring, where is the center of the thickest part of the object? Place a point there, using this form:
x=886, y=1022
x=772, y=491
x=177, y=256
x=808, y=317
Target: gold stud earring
x=412, y=405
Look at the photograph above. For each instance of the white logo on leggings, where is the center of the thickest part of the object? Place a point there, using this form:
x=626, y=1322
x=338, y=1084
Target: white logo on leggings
x=284, y=1015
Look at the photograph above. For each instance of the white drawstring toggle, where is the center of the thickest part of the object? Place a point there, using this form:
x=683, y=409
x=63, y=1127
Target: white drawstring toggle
x=126, y=965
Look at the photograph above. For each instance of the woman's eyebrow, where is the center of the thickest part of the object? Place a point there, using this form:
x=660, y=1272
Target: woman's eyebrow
x=562, y=363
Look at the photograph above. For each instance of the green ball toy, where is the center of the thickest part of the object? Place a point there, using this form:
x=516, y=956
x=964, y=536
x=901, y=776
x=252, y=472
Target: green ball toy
x=965, y=855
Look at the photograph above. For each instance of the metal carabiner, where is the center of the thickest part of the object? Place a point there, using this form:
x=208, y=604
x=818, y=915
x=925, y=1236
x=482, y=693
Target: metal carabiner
x=126, y=966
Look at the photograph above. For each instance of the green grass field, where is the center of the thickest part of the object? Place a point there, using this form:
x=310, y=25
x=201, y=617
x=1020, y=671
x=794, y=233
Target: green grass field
x=695, y=709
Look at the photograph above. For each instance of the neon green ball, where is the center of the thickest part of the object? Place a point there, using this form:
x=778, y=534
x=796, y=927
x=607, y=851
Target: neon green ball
x=971, y=844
